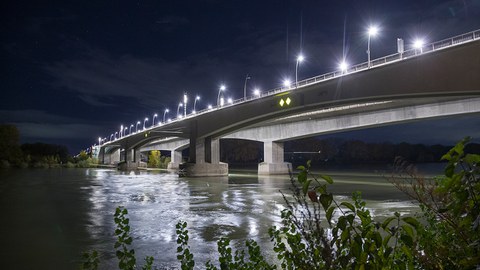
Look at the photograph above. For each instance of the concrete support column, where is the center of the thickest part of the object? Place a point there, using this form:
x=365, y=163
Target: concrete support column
x=101, y=155
x=204, y=158
x=113, y=157
x=273, y=156
x=175, y=160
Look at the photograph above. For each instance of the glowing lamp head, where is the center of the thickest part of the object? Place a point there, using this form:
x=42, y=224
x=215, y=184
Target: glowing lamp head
x=300, y=58
x=418, y=43
x=372, y=31
x=343, y=66
x=256, y=92
x=222, y=87
x=286, y=82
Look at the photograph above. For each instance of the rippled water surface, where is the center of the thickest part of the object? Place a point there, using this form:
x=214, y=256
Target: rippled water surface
x=50, y=216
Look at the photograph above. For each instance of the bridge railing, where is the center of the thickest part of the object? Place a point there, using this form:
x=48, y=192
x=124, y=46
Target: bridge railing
x=414, y=52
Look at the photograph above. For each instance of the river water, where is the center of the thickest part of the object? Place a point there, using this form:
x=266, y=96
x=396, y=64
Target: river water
x=50, y=216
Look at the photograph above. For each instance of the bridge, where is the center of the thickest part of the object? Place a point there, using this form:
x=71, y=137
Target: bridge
x=438, y=80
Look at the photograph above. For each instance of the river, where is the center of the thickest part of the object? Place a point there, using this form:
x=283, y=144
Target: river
x=50, y=216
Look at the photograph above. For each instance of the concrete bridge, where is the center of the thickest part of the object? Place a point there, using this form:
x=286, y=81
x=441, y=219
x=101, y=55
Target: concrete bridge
x=439, y=80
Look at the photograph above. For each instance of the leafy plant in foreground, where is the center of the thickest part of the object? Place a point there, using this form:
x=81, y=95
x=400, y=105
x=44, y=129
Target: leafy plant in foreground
x=319, y=232
x=450, y=238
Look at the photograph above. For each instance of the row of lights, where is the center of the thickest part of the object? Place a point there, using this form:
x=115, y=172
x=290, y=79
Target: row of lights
x=372, y=31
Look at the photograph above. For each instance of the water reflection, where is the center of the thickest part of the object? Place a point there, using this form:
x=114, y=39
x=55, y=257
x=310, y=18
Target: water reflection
x=241, y=206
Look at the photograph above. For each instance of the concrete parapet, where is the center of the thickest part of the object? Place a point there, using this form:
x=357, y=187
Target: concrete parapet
x=205, y=169
x=265, y=168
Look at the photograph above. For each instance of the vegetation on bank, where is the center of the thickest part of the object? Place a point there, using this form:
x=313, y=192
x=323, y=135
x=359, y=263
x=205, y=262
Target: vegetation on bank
x=156, y=160
x=320, y=232
x=37, y=155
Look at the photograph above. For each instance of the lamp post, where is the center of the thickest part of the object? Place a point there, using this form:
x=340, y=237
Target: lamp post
x=418, y=45
x=121, y=131
x=136, y=126
x=185, y=99
x=164, y=113
x=99, y=141
x=146, y=119
x=115, y=135
x=111, y=135
x=130, y=130
x=300, y=59
x=245, y=87
x=372, y=31
x=124, y=131
x=222, y=88
x=343, y=66
x=153, y=119
x=178, y=109
x=256, y=92
x=195, y=103
x=286, y=83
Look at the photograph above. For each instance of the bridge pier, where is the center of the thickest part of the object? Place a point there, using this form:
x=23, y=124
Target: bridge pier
x=175, y=160
x=132, y=160
x=273, y=155
x=110, y=158
x=205, y=158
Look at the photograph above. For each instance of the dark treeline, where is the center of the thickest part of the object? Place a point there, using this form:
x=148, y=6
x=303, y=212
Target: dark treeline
x=29, y=155
x=337, y=151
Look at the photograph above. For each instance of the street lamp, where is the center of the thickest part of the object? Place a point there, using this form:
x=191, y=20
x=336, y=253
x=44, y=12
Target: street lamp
x=185, y=98
x=124, y=131
x=164, y=113
x=418, y=44
x=146, y=119
x=195, y=103
x=286, y=83
x=222, y=88
x=300, y=59
x=153, y=119
x=256, y=92
x=130, y=130
x=230, y=101
x=116, y=135
x=99, y=140
x=136, y=126
x=372, y=31
x=210, y=106
x=111, y=135
x=121, y=131
x=245, y=87
x=343, y=66
x=178, y=109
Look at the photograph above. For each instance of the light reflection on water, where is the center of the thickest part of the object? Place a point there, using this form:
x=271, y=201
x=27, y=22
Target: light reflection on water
x=241, y=206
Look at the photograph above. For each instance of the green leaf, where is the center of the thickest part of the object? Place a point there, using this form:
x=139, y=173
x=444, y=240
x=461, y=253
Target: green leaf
x=408, y=230
x=407, y=240
x=387, y=221
x=472, y=158
x=326, y=200
x=327, y=178
x=449, y=170
x=412, y=221
x=329, y=214
x=301, y=167
x=348, y=205
x=302, y=176
x=305, y=187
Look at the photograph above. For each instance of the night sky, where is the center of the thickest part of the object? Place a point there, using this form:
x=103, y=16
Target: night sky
x=76, y=70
